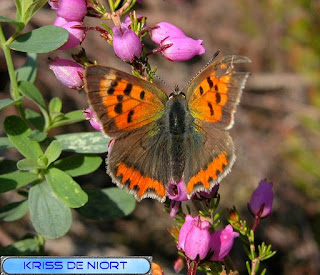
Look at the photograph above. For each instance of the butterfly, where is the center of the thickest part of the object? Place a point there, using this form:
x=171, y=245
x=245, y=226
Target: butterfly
x=160, y=139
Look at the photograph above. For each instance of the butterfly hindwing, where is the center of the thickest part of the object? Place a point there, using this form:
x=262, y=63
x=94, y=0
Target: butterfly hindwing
x=213, y=95
x=210, y=158
x=122, y=102
x=139, y=162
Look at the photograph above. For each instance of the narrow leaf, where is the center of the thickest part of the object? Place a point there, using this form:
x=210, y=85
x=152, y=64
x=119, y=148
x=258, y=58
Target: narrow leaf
x=28, y=164
x=93, y=142
x=26, y=247
x=107, y=204
x=50, y=216
x=35, y=119
x=4, y=103
x=5, y=143
x=41, y=40
x=33, y=8
x=14, y=211
x=55, y=105
x=15, y=180
x=65, y=188
x=28, y=71
x=78, y=165
x=53, y=151
x=70, y=118
x=18, y=133
x=19, y=25
x=32, y=92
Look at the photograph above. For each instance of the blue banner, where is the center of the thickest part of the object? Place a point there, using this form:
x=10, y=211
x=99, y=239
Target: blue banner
x=76, y=265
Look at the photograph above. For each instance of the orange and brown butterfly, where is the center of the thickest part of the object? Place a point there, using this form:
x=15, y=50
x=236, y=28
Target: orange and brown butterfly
x=160, y=139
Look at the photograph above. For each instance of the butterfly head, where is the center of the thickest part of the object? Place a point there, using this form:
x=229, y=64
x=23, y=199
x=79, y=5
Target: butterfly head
x=177, y=93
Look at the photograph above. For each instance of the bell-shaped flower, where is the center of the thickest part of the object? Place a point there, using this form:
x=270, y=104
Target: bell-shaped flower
x=260, y=204
x=222, y=242
x=126, y=44
x=76, y=33
x=72, y=10
x=185, y=229
x=213, y=193
x=197, y=243
x=164, y=30
x=90, y=115
x=68, y=72
x=181, y=48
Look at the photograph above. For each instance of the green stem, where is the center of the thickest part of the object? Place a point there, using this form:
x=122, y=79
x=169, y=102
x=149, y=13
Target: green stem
x=14, y=92
x=111, y=5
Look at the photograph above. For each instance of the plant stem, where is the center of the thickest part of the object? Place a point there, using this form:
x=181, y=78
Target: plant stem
x=14, y=92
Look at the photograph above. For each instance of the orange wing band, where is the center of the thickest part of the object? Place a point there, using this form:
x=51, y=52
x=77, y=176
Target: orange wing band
x=204, y=177
x=144, y=183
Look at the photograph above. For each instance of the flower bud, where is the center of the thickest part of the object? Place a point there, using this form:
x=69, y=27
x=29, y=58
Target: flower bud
x=91, y=116
x=178, y=264
x=76, y=35
x=164, y=30
x=221, y=243
x=197, y=243
x=181, y=49
x=126, y=44
x=68, y=72
x=260, y=204
x=72, y=10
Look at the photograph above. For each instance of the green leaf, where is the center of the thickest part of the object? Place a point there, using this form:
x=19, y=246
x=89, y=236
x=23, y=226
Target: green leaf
x=38, y=135
x=28, y=164
x=107, y=204
x=70, y=118
x=4, y=103
x=18, y=133
x=53, y=151
x=14, y=211
x=55, y=105
x=41, y=40
x=65, y=188
x=26, y=247
x=93, y=142
x=35, y=119
x=33, y=8
x=32, y=92
x=15, y=180
x=50, y=216
x=78, y=165
x=19, y=25
x=28, y=72
x=5, y=143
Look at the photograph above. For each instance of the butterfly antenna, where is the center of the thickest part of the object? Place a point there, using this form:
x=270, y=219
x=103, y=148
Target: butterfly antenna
x=163, y=82
x=204, y=67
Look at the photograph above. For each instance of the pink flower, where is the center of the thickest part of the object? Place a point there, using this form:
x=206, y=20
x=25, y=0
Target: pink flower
x=213, y=193
x=260, y=204
x=177, y=192
x=126, y=44
x=76, y=35
x=182, y=48
x=91, y=116
x=68, y=72
x=164, y=30
x=194, y=238
x=72, y=10
x=221, y=243
x=197, y=243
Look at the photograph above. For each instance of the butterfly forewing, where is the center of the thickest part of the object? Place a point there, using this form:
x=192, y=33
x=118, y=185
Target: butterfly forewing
x=122, y=102
x=213, y=95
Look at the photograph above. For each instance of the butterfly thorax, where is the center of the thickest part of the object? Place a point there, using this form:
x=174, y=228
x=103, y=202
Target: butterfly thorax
x=178, y=120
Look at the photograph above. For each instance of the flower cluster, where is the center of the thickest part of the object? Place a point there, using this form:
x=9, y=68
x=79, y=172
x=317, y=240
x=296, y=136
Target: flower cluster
x=126, y=38
x=197, y=243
